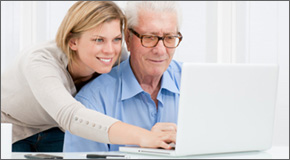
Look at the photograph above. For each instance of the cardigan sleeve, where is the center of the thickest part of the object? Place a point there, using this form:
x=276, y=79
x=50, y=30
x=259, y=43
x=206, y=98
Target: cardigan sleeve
x=49, y=84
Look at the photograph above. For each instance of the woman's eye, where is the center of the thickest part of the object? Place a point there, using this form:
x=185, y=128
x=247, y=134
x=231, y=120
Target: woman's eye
x=118, y=39
x=98, y=40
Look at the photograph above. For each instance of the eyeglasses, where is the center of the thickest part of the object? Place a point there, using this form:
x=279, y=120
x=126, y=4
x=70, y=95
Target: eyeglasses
x=150, y=41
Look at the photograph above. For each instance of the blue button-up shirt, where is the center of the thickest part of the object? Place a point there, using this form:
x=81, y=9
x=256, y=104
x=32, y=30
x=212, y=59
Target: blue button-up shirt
x=119, y=95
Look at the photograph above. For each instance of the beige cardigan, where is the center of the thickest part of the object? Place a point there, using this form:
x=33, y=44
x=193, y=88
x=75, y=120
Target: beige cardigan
x=37, y=94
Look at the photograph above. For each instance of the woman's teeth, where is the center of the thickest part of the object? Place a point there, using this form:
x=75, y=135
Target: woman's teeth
x=105, y=60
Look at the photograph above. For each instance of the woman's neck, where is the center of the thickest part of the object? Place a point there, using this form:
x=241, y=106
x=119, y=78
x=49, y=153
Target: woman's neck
x=79, y=73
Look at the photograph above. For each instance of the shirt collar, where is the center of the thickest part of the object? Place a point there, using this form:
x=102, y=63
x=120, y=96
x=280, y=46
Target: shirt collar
x=168, y=83
x=130, y=85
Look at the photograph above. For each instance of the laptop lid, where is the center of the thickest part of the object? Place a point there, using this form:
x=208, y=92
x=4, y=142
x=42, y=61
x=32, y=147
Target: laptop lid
x=224, y=108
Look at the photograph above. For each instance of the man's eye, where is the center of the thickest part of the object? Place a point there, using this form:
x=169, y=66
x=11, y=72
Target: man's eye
x=152, y=38
x=170, y=37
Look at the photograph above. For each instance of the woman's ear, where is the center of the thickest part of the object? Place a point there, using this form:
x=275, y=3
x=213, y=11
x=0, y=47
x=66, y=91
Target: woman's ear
x=73, y=44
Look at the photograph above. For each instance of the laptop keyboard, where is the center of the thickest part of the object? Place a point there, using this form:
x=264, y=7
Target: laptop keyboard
x=172, y=146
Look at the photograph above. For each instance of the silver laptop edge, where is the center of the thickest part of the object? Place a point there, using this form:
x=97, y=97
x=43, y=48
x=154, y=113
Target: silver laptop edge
x=230, y=107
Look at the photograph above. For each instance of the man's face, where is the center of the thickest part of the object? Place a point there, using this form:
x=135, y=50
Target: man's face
x=148, y=62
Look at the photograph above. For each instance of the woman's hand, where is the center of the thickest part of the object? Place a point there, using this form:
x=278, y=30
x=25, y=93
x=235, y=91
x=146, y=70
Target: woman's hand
x=123, y=133
x=164, y=127
x=158, y=140
x=162, y=135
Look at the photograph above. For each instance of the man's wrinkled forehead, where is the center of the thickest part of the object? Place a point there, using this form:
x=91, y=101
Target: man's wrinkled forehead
x=155, y=21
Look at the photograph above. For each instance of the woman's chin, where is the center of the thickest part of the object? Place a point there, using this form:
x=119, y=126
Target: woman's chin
x=104, y=70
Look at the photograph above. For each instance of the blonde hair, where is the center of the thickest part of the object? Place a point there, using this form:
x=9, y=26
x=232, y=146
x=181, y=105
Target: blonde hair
x=83, y=16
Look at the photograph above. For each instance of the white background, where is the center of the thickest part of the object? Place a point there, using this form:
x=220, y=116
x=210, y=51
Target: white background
x=214, y=32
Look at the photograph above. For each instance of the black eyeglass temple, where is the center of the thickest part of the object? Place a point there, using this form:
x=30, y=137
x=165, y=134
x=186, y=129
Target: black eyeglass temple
x=134, y=32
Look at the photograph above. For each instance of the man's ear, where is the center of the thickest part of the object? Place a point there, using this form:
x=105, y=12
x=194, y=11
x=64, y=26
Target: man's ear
x=73, y=44
x=127, y=39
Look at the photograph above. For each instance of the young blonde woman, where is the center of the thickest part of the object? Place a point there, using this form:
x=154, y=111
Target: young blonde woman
x=37, y=91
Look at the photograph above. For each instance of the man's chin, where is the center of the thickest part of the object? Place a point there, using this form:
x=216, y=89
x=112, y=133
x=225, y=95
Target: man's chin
x=156, y=73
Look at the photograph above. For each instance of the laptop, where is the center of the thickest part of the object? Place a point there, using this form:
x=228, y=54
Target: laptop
x=223, y=108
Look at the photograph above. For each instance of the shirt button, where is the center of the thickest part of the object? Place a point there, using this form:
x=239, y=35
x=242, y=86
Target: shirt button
x=81, y=120
x=76, y=118
x=93, y=125
x=87, y=122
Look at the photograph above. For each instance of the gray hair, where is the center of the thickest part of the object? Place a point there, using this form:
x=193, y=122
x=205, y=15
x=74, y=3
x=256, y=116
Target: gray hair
x=133, y=7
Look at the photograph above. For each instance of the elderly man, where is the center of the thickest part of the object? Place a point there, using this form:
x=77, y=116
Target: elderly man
x=144, y=89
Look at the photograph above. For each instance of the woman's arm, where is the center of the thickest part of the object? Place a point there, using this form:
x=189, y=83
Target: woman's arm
x=47, y=81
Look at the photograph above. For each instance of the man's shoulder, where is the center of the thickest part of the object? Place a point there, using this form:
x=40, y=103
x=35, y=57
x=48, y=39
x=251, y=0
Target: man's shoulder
x=101, y=92
x=103, y=82
x=175, y=66
x=174, y=71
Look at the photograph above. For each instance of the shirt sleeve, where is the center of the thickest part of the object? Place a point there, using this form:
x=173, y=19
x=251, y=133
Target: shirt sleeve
x=74, y=143
x=48, y=84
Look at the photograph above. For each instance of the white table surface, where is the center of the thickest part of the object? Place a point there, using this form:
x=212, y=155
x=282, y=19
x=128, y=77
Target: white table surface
x=276, y=152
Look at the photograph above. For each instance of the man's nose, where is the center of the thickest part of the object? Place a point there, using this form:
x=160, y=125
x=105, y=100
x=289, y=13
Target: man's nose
x=160, y=48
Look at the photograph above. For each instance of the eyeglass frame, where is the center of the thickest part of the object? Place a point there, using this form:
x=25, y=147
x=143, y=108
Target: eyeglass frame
x=179, y=36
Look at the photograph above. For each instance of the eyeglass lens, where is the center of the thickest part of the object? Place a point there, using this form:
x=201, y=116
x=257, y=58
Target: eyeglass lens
x=151, y=41
x=169, y=41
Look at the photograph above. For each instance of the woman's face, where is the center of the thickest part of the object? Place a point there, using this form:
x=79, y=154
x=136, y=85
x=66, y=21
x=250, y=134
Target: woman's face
x=99, y=48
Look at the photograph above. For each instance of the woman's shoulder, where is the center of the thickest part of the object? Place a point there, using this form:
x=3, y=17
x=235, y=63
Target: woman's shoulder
x=44, y=52
x=44, y=46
